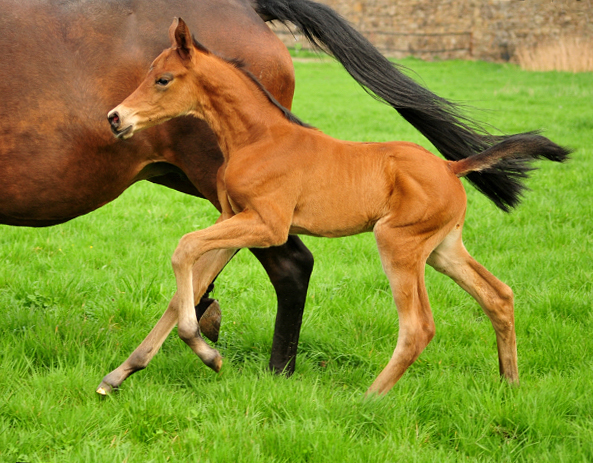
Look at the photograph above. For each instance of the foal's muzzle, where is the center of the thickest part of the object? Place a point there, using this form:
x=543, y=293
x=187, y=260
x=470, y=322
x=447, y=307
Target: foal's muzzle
x=114, y=119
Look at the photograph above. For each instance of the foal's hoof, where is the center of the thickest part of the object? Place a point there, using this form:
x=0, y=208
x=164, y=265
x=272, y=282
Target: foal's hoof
x=214, y=362
x=104, y=389
x=210, y=321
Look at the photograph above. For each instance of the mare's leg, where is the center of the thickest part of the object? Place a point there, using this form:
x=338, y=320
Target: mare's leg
x=244, y=230
x=209, y=315
x=289, y=268
x=403, y=257
x=452, y=259
x=204, y=271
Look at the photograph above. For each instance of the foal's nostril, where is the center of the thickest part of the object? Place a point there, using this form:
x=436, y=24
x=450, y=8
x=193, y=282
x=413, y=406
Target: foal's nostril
x=114, y=120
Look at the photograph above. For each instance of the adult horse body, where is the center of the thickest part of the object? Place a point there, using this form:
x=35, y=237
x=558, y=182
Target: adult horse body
x=58, y=160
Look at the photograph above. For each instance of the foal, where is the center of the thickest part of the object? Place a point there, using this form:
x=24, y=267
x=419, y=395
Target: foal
x=281, y=177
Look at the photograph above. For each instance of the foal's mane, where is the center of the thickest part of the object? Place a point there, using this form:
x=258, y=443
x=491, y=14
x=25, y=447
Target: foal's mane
x=240, y=65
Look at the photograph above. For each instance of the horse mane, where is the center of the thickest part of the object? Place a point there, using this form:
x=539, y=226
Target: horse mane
x=241, y=66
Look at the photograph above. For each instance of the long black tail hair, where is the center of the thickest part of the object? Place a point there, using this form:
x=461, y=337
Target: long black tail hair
x=442, y=122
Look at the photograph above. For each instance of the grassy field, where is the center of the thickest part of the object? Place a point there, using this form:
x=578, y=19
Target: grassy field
x=76, y=300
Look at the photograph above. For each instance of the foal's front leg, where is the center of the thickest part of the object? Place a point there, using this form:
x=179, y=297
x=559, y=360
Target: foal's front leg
x=205, y=270
x=246, y=229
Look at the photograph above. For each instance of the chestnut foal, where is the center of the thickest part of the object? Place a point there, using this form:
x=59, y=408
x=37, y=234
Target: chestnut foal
x=282, y=177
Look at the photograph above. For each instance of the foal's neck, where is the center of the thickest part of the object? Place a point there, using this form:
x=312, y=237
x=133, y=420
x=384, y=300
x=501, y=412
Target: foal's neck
x=238, y=112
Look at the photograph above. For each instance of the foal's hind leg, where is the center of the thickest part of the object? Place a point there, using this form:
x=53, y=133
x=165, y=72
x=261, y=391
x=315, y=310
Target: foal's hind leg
x=452, y=259
x=204, y=271
x=403, y=260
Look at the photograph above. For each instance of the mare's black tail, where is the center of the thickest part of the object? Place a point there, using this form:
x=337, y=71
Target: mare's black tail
x=456, y=136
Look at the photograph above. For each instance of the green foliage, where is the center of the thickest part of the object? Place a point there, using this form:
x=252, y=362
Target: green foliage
x=76, y=299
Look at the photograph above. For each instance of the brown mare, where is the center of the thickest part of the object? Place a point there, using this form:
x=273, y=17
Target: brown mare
x=64, y=64
x=281, y=177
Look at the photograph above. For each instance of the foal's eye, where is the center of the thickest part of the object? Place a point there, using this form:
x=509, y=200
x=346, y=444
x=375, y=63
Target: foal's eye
x=163, y=81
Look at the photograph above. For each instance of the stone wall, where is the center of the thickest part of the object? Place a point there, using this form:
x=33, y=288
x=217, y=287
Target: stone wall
x=465, y=29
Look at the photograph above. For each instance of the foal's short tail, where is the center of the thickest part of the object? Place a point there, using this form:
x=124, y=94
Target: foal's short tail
x=513, y=156
x=441, y=121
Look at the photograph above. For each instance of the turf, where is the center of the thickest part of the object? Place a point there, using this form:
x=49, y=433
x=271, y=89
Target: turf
x=77, y=298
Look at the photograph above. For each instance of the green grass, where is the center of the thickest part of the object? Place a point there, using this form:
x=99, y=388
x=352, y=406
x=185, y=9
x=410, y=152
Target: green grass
x=76, y=300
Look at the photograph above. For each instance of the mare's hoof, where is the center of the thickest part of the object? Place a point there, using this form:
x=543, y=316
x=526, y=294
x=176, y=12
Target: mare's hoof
x=210, y=322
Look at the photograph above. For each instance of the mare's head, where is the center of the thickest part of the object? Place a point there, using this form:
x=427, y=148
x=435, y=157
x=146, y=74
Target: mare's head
x=165, y=93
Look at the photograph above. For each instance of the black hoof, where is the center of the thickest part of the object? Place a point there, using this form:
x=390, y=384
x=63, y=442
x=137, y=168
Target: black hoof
x=210, y=321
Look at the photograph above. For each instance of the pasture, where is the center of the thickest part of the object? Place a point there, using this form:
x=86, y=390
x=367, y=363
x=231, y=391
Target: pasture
x=76, y=299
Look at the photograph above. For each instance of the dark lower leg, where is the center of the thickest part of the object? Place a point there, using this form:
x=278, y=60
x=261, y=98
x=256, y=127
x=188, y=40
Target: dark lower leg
x=205, y=302
x=209, y=315
x=289, y=268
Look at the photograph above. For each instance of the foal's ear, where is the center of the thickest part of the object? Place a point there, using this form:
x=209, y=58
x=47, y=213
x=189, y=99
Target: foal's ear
x=181, y=38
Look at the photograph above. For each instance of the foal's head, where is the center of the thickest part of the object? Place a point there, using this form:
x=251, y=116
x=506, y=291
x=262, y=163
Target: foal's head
x=165, y=93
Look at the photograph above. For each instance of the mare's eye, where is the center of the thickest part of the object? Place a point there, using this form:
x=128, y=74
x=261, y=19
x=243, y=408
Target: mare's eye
x=163, y=81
